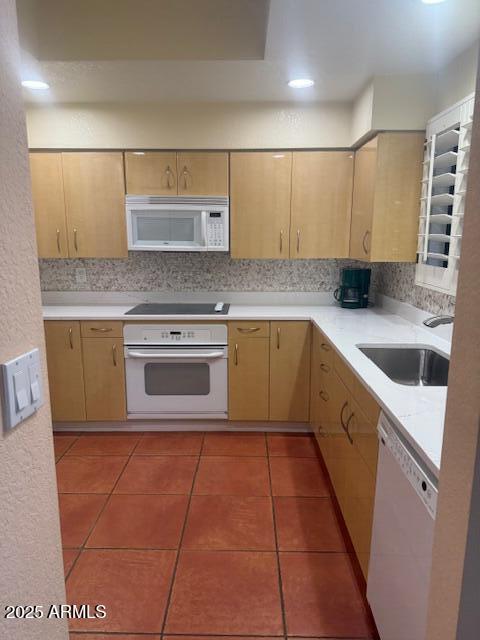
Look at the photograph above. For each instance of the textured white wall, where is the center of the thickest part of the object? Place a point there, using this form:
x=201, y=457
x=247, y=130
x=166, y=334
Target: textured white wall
x=31, y=570
x=457, y=79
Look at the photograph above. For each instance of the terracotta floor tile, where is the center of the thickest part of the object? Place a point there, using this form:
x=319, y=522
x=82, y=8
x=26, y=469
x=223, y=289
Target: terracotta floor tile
x=170, y=443
x=140, y=522
x=69, y=557
x=232, y=476
x=225, y=592
x=322, y=597
x=298, y=477
x=165, y=637
x=133, y=585
x=234, y=444
x=229, y=522
x=83, y=474
x=78, y=513
x=292, y=445
x=158, y=474
x=307, y=524
x=62, y=442
x=108, y=636
x=102, y=444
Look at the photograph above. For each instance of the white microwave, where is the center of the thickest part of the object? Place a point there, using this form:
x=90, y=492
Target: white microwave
x=169, y=223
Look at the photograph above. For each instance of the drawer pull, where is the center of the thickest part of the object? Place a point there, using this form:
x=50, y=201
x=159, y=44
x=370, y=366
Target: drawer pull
x=248, y=329
x=114, y=354
x=101, y=329
x=278, y=337
x=325, y=346
x=324, y=395
x=347, y=426
x=70, y=337
x=345, y=405
x=324, y=367
x=236, y=355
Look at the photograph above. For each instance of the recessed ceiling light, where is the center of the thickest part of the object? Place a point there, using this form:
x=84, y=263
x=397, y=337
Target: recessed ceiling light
x=301, y=83
x=38, y=85
x=432, y=1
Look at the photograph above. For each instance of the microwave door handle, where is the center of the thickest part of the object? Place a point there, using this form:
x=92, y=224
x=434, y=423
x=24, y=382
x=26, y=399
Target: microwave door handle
x=174, y=356
x=204, y=229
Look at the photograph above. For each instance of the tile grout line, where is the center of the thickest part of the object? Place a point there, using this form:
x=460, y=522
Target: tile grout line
x=180, y=541
x=277, y=554
x=66, y=450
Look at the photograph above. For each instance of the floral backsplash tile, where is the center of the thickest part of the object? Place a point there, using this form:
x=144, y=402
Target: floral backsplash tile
x=172, y=272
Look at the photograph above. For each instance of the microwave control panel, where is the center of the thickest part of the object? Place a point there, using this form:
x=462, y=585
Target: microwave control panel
x=217, y=231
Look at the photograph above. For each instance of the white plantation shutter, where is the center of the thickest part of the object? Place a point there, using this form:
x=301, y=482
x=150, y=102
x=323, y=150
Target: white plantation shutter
x=444, y=184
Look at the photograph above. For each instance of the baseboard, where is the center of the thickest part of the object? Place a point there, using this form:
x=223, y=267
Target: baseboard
x=183, y=425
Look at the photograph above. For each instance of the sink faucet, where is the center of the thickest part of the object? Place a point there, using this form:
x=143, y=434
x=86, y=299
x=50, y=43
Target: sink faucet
x=434, y=321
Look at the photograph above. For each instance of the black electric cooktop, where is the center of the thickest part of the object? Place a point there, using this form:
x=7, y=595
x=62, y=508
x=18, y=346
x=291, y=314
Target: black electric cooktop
x=177, y=309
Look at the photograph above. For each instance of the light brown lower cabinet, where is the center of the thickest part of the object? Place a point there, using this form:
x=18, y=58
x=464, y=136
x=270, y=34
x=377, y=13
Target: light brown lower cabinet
x=345, y=425
x=289, y=371
x=104, y=373
x=65, y=371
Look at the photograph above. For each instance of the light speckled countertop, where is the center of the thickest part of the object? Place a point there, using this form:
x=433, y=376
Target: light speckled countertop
x=418, y=412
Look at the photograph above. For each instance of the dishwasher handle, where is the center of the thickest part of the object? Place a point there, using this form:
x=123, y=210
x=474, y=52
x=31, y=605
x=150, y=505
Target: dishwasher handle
x=144, y=355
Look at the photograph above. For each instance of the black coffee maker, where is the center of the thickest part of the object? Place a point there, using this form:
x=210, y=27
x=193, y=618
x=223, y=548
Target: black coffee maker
x=353, y=290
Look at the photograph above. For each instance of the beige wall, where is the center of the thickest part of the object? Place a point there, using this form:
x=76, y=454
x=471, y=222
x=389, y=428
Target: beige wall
x=31, y=570
x=454, y=612
x=194, y=126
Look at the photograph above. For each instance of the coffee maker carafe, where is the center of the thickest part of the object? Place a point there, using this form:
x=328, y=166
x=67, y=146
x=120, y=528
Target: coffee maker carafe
x=353, y=290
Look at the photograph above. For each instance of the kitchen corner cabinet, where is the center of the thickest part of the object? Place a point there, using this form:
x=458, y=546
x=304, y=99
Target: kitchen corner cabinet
x=290, y=371
x=195, y=173
x=322, y=183
x=49, y=204
x=260, y=192
x=386, y=198
x=79, y=202
x=65, y=371
x=86, y=374
x=248, y=370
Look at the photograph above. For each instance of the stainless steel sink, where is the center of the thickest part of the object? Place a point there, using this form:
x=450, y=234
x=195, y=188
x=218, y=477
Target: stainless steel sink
x=410, y=365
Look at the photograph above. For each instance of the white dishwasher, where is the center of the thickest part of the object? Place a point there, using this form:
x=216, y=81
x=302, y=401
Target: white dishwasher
x=402, y=540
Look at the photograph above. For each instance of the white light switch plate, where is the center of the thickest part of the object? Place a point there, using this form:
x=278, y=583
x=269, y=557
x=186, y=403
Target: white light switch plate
x=22, y=392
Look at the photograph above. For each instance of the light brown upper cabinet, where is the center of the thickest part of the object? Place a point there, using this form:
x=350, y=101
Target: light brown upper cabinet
x=260, y=189
x=386, y=198
x=65, y=370
x=290, y=371
x=322, y=184
x=49, y=204
x=95, y=204
x=151, y=172
x=202, y=173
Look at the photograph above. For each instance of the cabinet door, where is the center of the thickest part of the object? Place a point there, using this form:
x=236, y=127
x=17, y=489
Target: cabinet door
x=151, y=173
x=202, y=174
x=248, y=378
x=322, y=183
x=363, y=200
x=289, y=371
x=260, y=186
x=95, y=203
x=65, y=371
x=49, y=204
x=104, y=378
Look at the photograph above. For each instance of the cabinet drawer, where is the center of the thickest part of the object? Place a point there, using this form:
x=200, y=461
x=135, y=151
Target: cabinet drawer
x=248, y=329
x=367, y=402
x=326, y=351
x=101, y=329
x=346, y=374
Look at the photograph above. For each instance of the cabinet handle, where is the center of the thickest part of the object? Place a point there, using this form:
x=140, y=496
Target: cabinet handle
x=114, y=354
x=58, y=241
x=236, y=354
x=325, y=346
x=248, y=329
x=101, y=329
x=364, y=241
x=324, y=367
x=298, y=240
x=186, y=175
x=324, y=395
x=75, y=240
x=345, y=405
x=346, y=428
x=70, y=337
x=281, y=240
x=168, y=173
x=278, y=337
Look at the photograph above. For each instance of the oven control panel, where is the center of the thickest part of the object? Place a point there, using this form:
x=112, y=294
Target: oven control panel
x=162, y=334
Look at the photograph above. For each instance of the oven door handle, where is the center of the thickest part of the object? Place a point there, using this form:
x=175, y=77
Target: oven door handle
x=174, y=356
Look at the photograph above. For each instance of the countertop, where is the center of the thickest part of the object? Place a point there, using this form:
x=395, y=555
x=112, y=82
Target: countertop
x=418, y=412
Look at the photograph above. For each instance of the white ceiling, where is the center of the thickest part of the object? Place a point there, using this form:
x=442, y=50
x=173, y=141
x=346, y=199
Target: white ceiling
x=339, y=43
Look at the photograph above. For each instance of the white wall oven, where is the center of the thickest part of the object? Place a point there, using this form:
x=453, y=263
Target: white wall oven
x=160, y=223
x=176, y=371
